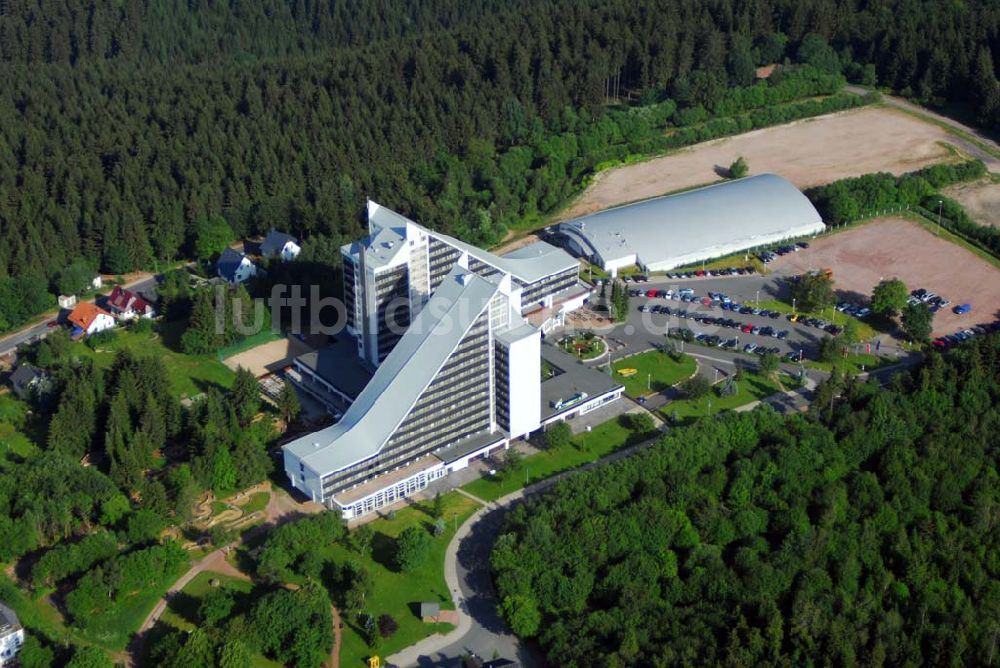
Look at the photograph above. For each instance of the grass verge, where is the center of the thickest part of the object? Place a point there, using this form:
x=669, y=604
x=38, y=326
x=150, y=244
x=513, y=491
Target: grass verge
x=753, y=387
x=399, y=594
x=587, y=447
x=865, y=330
x=114, y=630
x=182, y=611
x=189, y=375
x=654, y=372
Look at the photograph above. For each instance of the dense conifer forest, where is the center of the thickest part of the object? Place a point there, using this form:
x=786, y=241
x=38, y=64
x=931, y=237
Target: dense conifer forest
x=864, y=533
x=124, y=124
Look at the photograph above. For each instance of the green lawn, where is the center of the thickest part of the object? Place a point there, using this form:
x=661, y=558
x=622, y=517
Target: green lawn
x=655, y=372
x=113, y=631
x=602, y=440
x=34, y=614
x=852, y=364
x=865, y=331
x=182, y=611
x=397, y=593
x=13, y=417
x=257, y=502
x=190, y=375
x=753, y=387
x=584, y=347
x=734, y=260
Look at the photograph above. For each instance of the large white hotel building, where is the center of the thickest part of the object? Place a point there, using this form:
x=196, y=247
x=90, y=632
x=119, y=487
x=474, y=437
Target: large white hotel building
x=456, y=365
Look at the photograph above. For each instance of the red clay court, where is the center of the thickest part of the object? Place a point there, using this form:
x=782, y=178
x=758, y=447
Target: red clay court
x=897, y=248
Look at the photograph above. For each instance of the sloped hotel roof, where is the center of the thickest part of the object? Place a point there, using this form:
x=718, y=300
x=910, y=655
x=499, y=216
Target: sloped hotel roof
x=673, y=230
x=528, y=264
x=401, y=378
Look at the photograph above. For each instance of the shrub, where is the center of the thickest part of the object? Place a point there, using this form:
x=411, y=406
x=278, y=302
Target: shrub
x=413, y=547
x=387, y=626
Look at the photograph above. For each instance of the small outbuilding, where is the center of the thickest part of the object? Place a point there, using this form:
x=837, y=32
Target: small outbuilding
x=430, y=611
x=279, y=244
x=28, y=381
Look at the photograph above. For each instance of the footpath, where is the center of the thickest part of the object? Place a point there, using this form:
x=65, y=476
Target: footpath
x=467, y=623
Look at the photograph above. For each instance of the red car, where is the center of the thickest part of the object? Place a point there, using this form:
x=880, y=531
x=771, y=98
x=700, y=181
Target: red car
x=706, y=301
x=699, y=273
x=746, y=329
x=650, y=293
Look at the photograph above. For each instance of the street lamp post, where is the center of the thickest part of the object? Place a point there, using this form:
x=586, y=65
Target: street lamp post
x=940, y=206
x=793, y=304
x=758, y=298
x=649, y=378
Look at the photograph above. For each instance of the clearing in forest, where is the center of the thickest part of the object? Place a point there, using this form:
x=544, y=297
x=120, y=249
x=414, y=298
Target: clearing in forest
x=896, y=248
x=810, y=152
x=981, y=200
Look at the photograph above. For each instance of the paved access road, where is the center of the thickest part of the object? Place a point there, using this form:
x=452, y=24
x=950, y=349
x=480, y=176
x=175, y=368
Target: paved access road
x=9, y=343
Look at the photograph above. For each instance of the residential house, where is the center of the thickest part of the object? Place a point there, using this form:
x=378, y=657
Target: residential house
x=11, y=635
x=28, y=381
x=279, y=244
x=89, y=319
x=67, y=301
x=127, y=305
x=234, y=267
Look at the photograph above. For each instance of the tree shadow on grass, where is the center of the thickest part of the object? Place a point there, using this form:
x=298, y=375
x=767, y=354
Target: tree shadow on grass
x=185, y=606
x=384, y=551
x=205, y=385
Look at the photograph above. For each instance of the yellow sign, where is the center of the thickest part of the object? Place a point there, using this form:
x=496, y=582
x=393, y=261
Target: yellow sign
x=374, y=662
x=627, y=372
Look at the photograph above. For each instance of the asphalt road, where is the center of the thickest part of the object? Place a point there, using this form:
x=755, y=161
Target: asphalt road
x=10, y=342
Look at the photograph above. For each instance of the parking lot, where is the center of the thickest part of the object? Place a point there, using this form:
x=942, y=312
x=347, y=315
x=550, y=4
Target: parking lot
x=740, y=323
x=863, y=255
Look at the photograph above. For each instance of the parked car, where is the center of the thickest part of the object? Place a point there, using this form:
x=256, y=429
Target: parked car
x=750, y=347
x=962, y=309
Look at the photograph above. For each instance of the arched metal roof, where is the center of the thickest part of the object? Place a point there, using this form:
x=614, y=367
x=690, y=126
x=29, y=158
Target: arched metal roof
x=673, y=230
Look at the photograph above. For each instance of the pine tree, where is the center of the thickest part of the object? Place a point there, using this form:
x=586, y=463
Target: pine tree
x=288, y=403
x=245, y=396
x=201, y=335
x=223, y=471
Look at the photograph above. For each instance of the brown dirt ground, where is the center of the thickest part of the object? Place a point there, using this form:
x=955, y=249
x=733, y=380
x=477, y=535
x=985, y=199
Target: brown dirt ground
x=808, y=153
x=268, y=357
x=980, y=199
x=893, y=247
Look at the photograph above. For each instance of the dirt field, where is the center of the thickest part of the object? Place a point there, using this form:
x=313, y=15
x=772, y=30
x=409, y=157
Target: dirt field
x=808, y=153
x=268, y=357
x=893, y=247
x=980, y=199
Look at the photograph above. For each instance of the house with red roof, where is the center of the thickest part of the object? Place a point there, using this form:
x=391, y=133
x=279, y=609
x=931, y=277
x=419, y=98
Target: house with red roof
x=126, y=305
x=88, y=318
